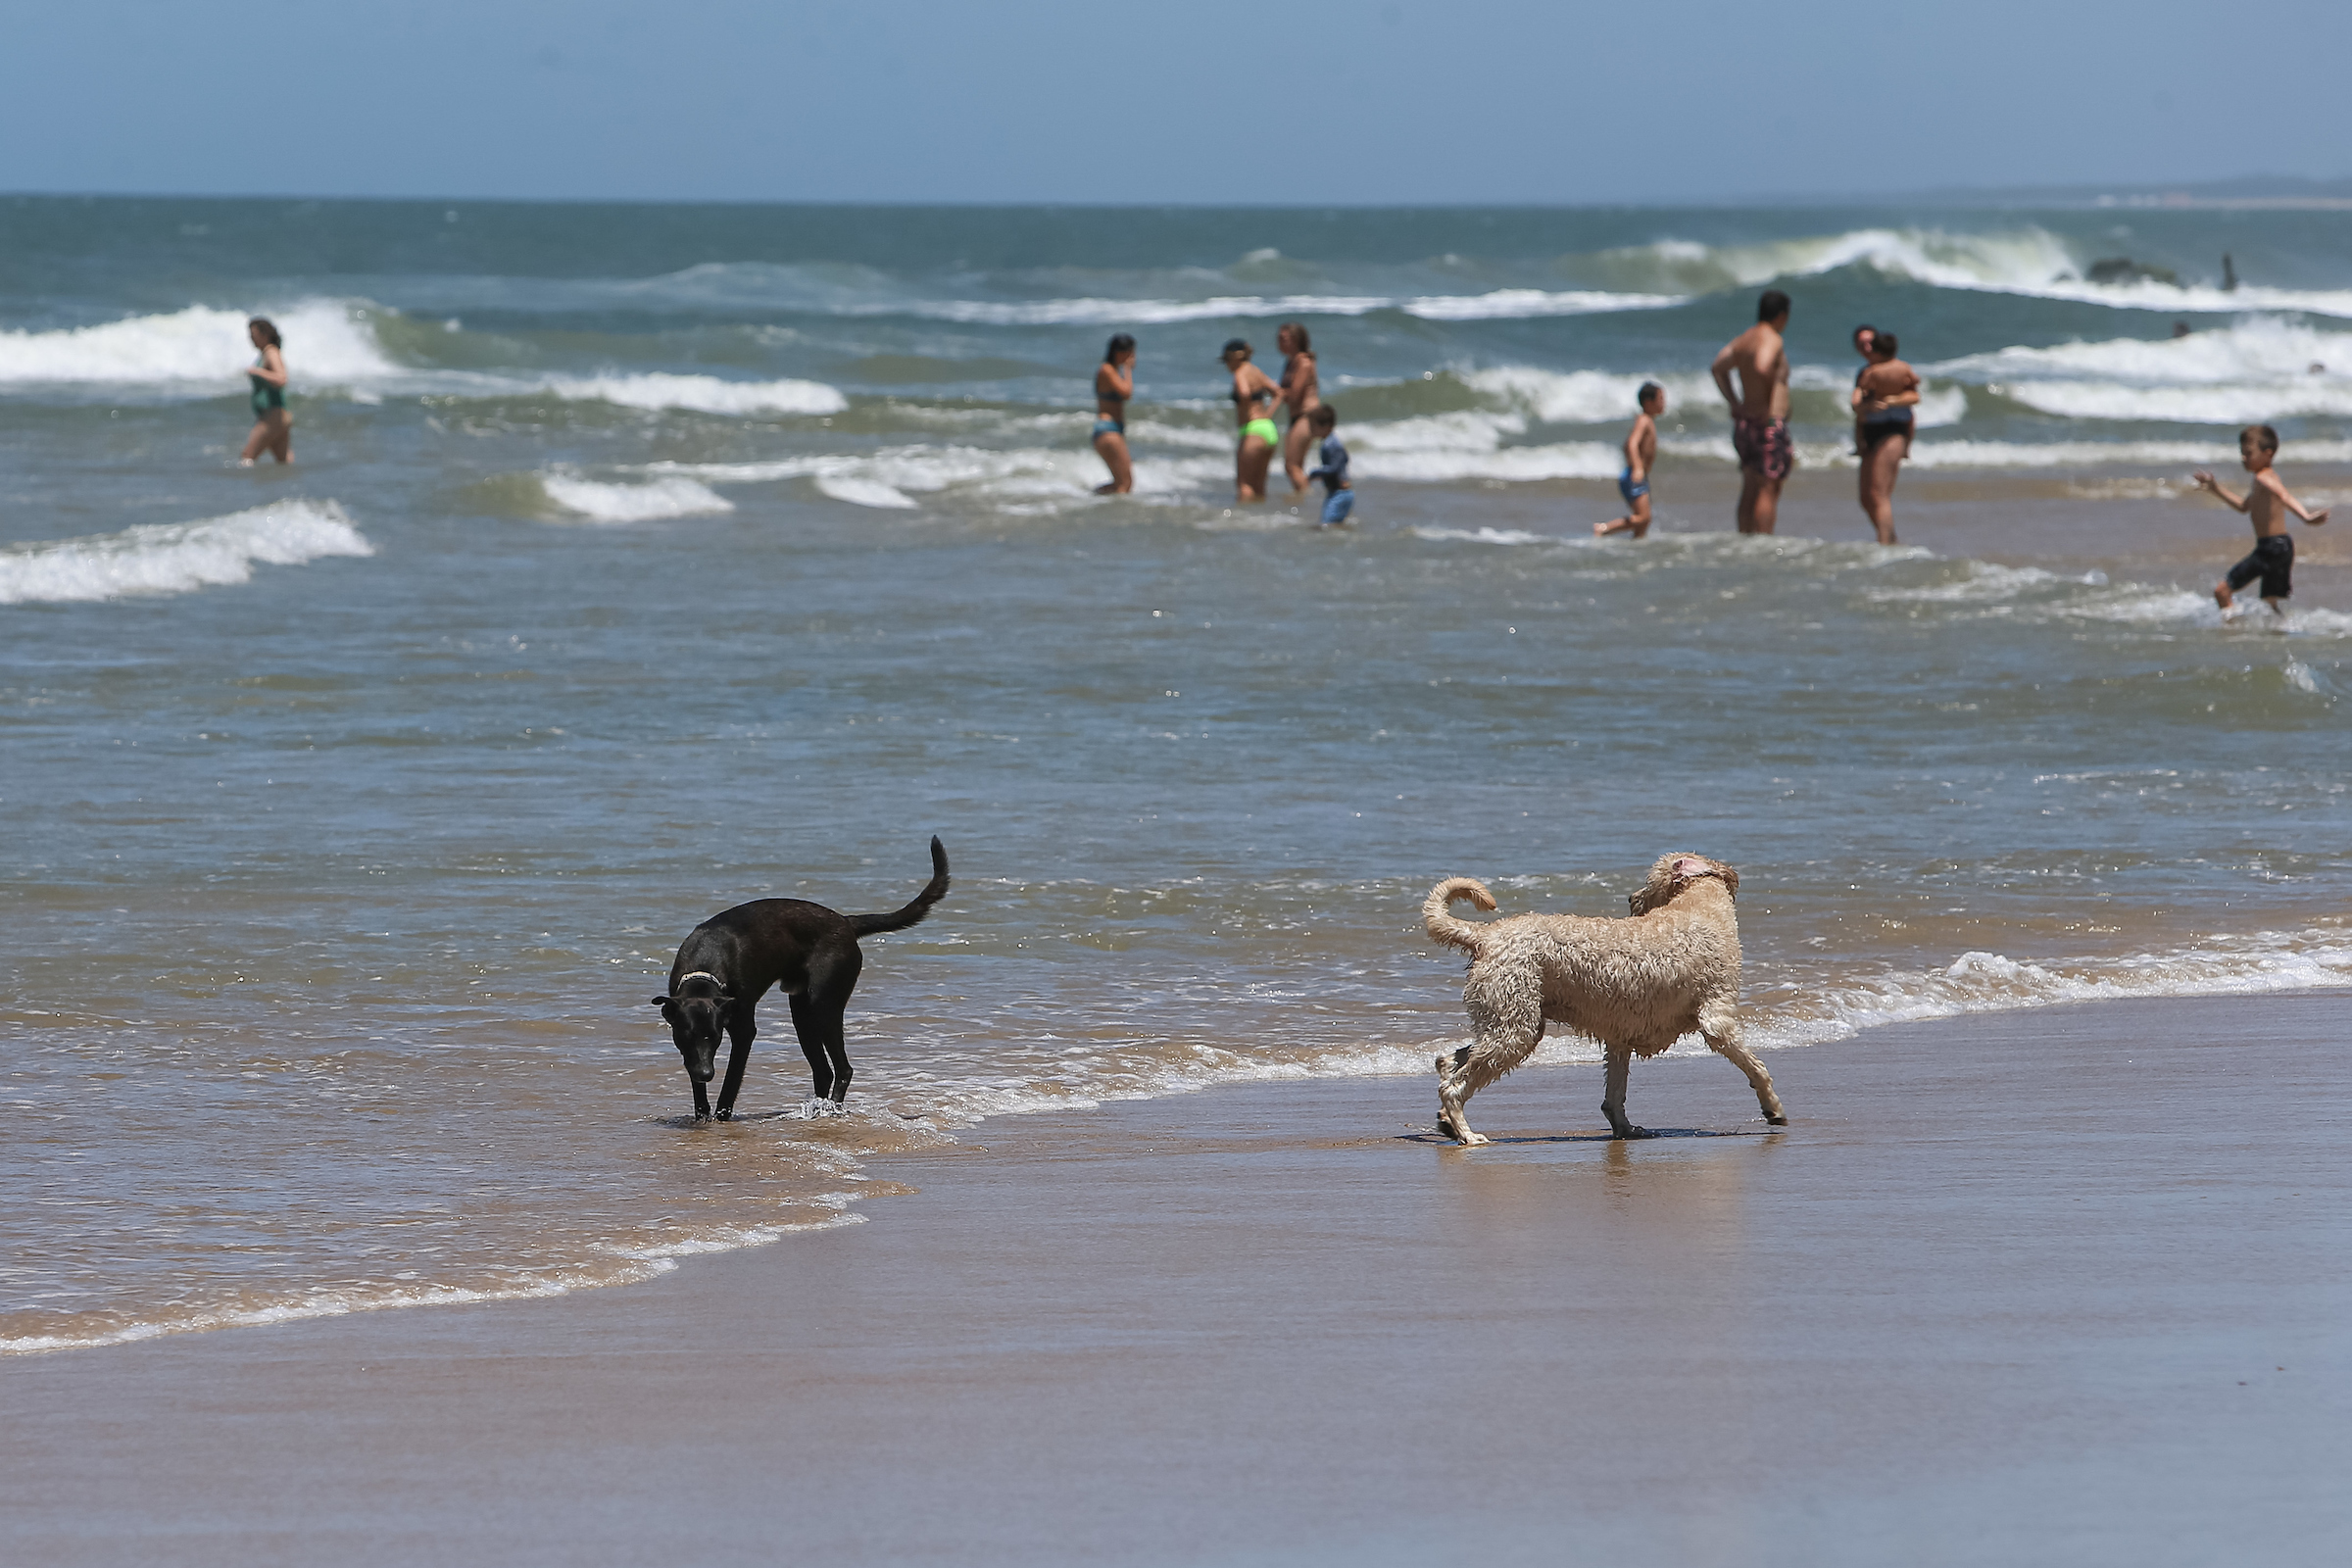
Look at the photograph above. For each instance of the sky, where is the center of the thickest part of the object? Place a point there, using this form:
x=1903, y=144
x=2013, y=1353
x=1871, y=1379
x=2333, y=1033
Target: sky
x=1195, y=102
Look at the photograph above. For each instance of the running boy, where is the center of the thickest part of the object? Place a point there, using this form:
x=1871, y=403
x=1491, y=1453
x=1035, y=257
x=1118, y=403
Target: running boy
x=2265, y=503
x=1339, y=495
x=1641, y=450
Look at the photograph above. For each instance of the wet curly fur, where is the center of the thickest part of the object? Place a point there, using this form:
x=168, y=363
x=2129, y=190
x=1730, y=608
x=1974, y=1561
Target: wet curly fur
x=1635, y=985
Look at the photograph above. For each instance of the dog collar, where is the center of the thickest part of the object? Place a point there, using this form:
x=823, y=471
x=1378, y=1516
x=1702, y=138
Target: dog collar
x=698, y=975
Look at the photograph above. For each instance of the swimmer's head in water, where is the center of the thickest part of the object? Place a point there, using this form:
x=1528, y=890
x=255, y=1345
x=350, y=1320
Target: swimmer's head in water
x=264, y=334
x=1883, y=346
x=1322, y=416
x=1120, y=343
x=1863, y=336
x=1232, y=345
x=1773, y=306
x=1650, y=393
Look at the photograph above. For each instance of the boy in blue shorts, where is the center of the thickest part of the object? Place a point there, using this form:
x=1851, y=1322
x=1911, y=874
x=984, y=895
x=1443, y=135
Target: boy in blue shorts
x=1641, y=450
x=2266, y=505
x=1339, y=495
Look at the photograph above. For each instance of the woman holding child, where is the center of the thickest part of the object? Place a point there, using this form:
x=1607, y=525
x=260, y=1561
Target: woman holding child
x=1884, y=395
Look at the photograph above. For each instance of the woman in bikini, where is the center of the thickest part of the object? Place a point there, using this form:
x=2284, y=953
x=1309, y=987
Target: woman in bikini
x=1114, y=384
x=1884, y=394
x=1864, y=335
x=1300, y=397
x=1254, y=395
x=273, y=423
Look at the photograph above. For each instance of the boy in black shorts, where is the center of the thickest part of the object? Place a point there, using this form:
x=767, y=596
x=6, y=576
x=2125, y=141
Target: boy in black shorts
x=2266, y=503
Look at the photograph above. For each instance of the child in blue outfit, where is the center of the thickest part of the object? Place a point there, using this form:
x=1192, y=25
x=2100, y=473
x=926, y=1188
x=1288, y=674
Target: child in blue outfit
x=1641, y=452
x=1339, y=495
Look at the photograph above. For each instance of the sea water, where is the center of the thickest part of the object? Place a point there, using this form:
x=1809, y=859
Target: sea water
x=639, y=561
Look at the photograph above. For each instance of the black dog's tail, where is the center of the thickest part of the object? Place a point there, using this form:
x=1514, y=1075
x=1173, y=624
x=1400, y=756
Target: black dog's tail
x=866, y=926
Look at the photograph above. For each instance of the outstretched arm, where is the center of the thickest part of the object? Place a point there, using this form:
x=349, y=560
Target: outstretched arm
x=2206, y=481
x=2269, y=479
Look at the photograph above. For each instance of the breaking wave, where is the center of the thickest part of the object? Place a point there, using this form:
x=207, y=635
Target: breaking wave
x=177, y=558
x=328, y=340
x=633, y=503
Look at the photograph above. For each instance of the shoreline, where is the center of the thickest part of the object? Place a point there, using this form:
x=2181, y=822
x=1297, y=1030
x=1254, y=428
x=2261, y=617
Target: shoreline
x=2012, y=1286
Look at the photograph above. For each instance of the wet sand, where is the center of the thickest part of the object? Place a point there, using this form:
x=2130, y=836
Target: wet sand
x=2072, y=1286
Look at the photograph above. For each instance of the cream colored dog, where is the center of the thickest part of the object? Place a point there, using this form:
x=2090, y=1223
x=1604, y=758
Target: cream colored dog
x=1636, y=985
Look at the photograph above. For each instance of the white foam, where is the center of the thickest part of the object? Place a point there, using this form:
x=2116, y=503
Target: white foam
x=1588, y=397
x=864, y=492
x=325, y=341
x=633, y=503
x=1992, y=982
x=1485, y=536
x=2256, y=371
x=2028, y=261
x=634, y=1264
x=1511, y=304
x=1493, y=304
x=173, y=558
x=702, y=394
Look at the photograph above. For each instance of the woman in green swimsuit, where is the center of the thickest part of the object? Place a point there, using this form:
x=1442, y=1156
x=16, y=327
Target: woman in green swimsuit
x=273, y=423
x=1254, y=395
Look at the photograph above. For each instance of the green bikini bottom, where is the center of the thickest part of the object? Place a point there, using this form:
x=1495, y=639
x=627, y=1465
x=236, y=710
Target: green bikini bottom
x=1263, y=430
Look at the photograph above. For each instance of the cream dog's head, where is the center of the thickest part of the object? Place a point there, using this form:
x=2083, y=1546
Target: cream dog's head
x=1674, y=873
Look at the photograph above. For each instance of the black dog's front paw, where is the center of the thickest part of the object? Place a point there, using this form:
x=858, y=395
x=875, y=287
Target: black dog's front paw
x=1636, y=1132
x=725, y=1113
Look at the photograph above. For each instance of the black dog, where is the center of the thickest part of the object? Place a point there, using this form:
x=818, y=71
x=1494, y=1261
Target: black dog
x=810, y=952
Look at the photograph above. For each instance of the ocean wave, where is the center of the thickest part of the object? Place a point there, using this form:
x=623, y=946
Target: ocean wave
x=1505, y=304
x=326, y=341
x=2255, y=370
x=624, y=1267
x=2030, y=592
x=2031, y=262
x=650, y=502
x=174, y=557
x=702, y=394
x=1976, y=982
x=864, y=492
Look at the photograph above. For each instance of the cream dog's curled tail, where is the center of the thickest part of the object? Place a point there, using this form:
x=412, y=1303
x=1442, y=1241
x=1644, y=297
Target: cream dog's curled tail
x=1436, y=912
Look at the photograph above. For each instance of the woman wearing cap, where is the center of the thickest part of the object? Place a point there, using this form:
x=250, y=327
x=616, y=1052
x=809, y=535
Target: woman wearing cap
x=1114, y=384
x=1254, y=395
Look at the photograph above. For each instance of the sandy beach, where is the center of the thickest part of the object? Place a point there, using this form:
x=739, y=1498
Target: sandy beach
x=2059, y=1285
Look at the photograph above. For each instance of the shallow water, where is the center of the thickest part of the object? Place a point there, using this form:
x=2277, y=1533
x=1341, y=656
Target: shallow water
x=640, y=562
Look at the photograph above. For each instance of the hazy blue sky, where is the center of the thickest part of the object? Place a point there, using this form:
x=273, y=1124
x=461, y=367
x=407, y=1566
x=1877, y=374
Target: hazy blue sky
x=1202, y=101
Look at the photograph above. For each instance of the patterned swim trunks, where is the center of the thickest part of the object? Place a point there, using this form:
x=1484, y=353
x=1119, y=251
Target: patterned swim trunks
x=1763, y=446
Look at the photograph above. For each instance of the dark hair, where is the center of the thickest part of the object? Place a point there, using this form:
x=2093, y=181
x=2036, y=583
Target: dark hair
x=1235, y=345
x=1294, y=327
x=1859, y=330
x=1322, y=416
x=1120, y=343
x=1884, y=343
x=268, y=332
x=1774, y=304
x=1650, y=389
x=2264, y=436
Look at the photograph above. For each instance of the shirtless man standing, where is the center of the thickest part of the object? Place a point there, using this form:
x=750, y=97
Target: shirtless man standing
x=1759, y=411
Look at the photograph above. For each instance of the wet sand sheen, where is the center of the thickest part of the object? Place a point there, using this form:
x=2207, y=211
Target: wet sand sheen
x=2061, y=1286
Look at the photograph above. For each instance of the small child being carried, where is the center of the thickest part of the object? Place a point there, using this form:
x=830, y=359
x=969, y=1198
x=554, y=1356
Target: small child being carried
x=1641, y=450
x=1339, y=495
x=2265, y=504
